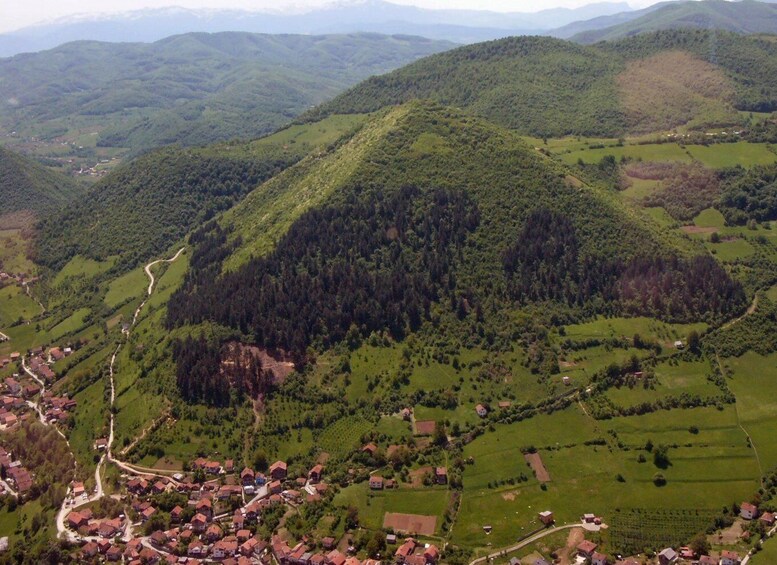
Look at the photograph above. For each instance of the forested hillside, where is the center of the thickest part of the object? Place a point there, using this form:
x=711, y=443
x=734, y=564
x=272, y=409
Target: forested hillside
x=439, y=214
x=189, y=89
x=28, y=186
x=743, y=17
x=155, y=200
x=548, y=87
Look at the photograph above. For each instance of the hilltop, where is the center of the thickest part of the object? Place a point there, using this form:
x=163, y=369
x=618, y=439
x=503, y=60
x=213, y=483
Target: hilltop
x=549, y=87
x=745, y=17
x=30, y=188
x=190, y=89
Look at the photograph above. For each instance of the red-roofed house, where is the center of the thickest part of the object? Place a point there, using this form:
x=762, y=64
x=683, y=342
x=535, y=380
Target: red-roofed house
x=586, y=548
x=278, y=470
x=748, y=511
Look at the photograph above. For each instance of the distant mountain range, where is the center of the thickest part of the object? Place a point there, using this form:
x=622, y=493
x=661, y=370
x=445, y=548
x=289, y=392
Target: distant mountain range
x=746, y=17
x=461, y=26
x=189, y=89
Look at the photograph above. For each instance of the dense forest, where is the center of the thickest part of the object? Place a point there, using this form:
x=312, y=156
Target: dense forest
x=546, y=264
x=376, y=262
x=144, y=206
x=28, y=185
x=547, y=87
x=750, y=195
x=246, y=84
x=212, y=373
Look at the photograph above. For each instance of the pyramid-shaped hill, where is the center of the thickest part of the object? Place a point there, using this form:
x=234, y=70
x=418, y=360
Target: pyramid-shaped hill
x=429, y=209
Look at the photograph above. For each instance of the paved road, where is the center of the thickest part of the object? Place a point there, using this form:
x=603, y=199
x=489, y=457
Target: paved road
x=524, y=543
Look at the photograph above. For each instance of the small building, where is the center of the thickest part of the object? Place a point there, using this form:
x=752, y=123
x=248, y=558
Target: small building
x=598, y=558
x=314, y=476
x=768, y=518
x=278, y=470
x=566, y=380
x=431, y=554
x=481, y=410
x=667, y=556
x=679, y=344
x=546, y=517
x=748, y=511
x=329, y=542
x=376, y=482
x=370, y=448
x=441, y=475
x=729, y=558
x=586, y=548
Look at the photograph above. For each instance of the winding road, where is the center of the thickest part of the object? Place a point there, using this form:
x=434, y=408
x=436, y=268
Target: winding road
x=66, y=507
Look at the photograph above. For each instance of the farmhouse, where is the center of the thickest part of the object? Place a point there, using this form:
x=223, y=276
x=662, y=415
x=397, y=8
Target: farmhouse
x=546, y=517
x=278, y=470
x=667, y=556
x=748, y=511
x=729, y=558
x=370, y=448
x=376, y=482
x=586, y=548
x=314, y=476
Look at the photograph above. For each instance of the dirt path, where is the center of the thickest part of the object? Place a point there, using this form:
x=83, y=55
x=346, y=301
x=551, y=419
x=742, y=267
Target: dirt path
x=133, y=469
x=528, y=541
x=750, y=310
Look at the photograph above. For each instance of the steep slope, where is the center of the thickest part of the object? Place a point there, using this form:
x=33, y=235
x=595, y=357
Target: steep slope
x=430, y=213
x=747, y=16
x=27, y=186
x=549, y=87
x=150, y=203
x=190, y=89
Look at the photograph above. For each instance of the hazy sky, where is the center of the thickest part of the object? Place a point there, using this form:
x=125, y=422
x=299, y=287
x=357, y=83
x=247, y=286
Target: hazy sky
x=15, y=14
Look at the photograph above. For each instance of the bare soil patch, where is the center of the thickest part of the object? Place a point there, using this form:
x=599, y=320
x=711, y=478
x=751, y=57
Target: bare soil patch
x=424, y=427
x=535, y=460
x=698, y=229
x=671, y=89
x=417, y=476
x=575, y=537
x=510, y=496
x=410, y=523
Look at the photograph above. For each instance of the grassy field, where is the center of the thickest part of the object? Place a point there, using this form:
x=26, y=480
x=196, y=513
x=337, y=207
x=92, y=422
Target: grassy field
x=768, y=554
x=648, y=328
x=722, y=155
x=129, y=285
x=708, y=469
x=754, y=382
x=716, y=156
x=15, y=305
x=82, y=267
x=71, y=324
x=373, y=505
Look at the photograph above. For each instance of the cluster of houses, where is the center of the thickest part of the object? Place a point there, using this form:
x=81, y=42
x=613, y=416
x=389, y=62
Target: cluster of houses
x=82, y=521
x=15, y=473
x=40, y=361
x=410, y=552
x=18, y=278
x=57, y=407
x=206, y=529
x=13, y=409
